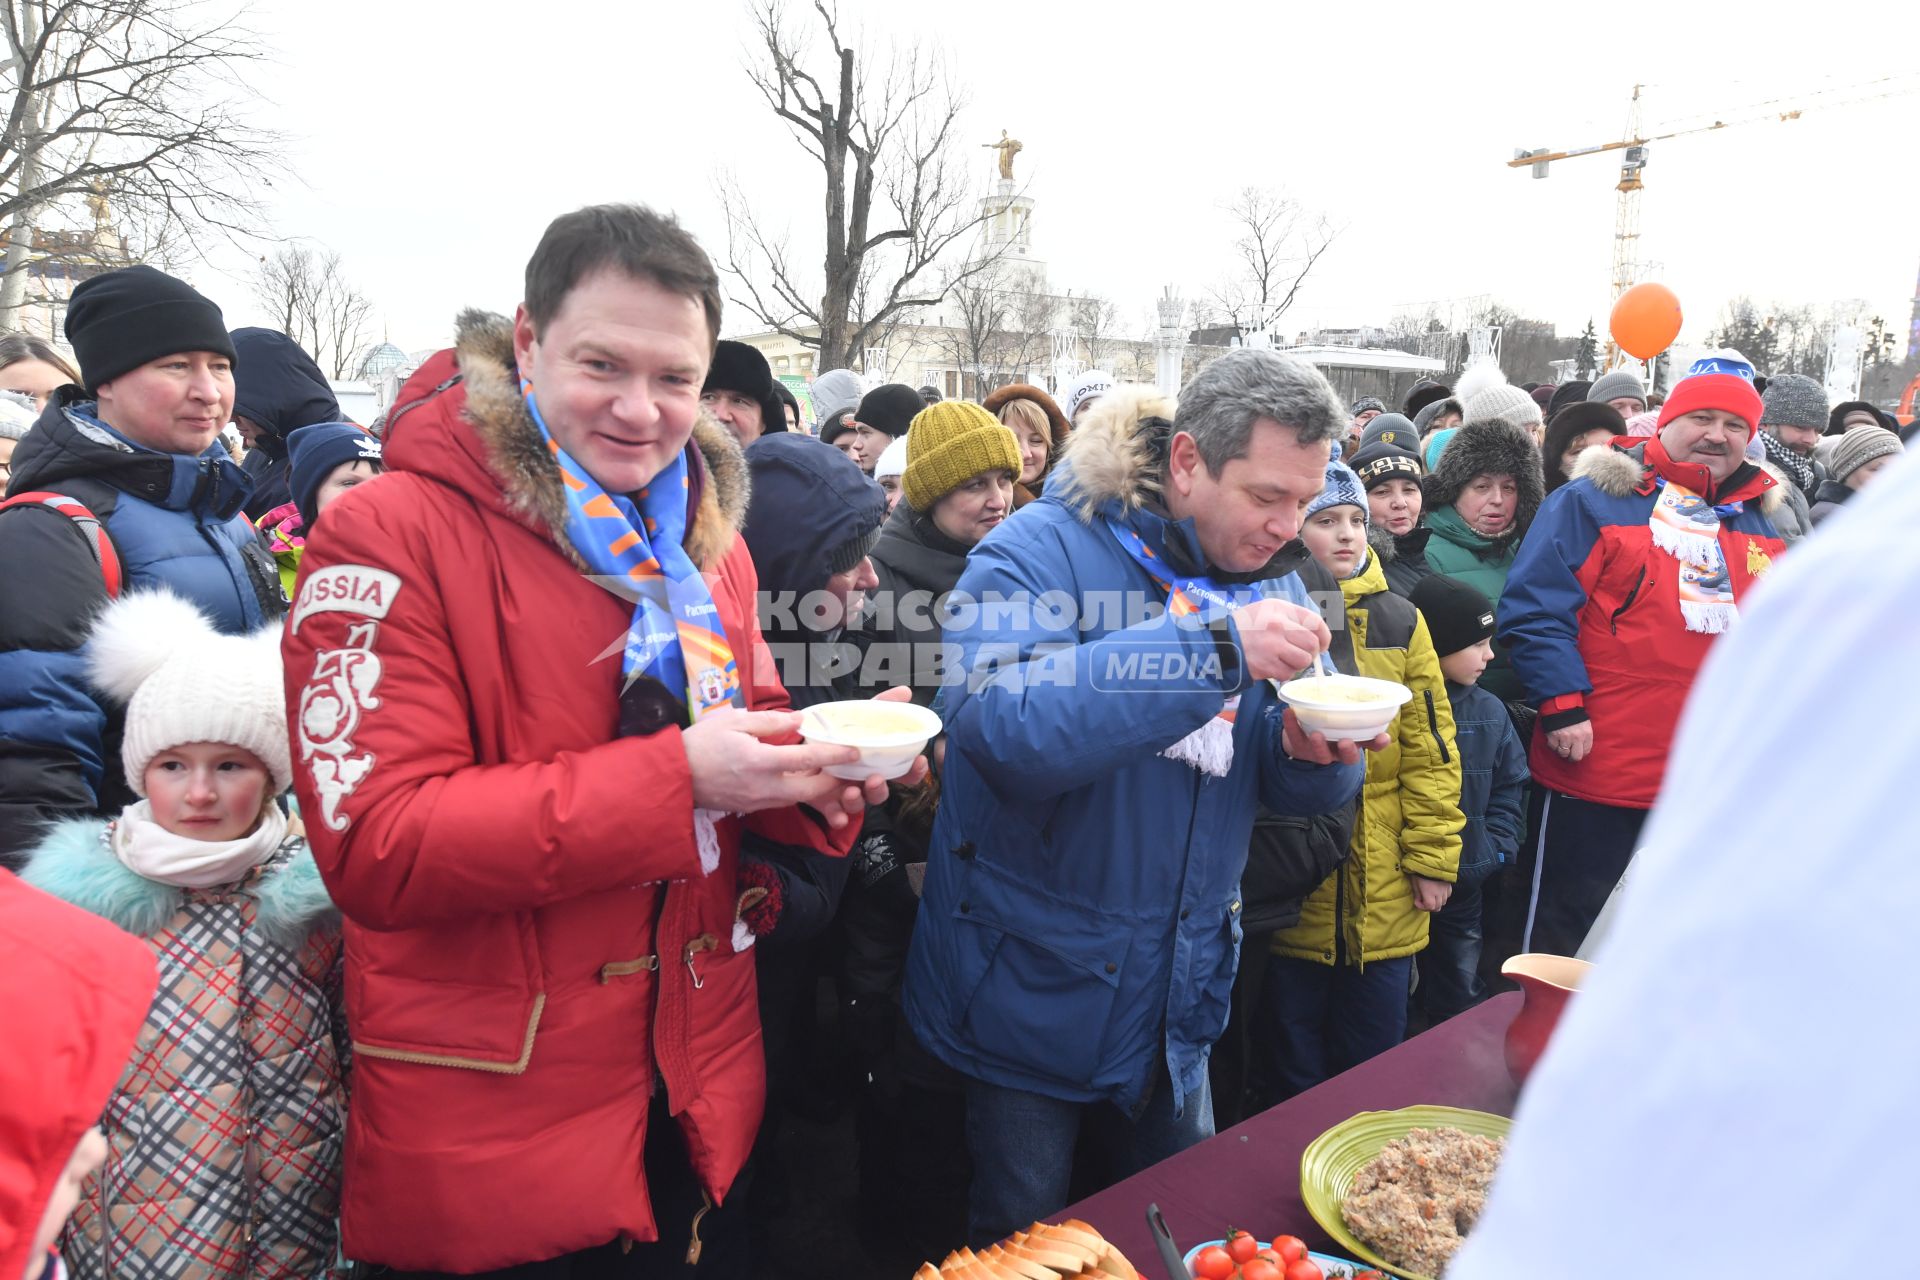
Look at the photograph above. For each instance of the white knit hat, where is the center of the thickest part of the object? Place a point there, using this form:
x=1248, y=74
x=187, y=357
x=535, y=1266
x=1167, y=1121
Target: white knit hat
x=1090, y=385
x=893, y=460
x=184, y=682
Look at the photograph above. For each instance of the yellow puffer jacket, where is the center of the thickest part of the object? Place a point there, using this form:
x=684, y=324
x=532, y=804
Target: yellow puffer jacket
x=1410, y=819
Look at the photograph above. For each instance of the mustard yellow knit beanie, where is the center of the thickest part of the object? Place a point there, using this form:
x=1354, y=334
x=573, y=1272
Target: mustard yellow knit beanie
x=949, y=444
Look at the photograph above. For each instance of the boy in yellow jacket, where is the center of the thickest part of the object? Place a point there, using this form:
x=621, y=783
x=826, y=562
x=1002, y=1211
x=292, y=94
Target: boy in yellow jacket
x=1337, y=982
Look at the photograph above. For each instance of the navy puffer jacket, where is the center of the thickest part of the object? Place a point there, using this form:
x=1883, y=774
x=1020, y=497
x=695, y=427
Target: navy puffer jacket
x=175, y=521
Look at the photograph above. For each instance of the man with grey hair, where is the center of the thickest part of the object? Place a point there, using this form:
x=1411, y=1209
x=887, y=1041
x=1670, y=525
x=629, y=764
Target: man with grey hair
x=1111, y=732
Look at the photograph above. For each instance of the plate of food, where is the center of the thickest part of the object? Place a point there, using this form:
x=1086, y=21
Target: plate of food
x=1240, y=1257
x=1401, y=1189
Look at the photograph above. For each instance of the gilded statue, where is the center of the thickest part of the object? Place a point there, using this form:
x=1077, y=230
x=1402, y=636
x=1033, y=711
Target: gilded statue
x=1008, y=149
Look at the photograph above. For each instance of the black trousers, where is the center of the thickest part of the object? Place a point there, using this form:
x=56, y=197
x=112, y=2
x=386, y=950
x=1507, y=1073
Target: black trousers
x=1581, y=851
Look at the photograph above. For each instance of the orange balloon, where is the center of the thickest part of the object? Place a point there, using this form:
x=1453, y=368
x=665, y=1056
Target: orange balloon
x=1645, y=320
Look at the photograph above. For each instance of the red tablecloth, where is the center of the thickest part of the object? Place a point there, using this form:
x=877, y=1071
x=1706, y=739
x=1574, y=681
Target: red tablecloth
x=1249, y=1176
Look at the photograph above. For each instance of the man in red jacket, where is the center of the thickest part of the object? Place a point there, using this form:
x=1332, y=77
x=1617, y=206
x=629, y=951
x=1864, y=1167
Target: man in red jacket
x=1628, y=575
x=534, y=715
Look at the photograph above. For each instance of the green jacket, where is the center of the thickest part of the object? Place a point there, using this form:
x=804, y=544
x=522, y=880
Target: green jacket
x=1481, y=563
x=1410, y=820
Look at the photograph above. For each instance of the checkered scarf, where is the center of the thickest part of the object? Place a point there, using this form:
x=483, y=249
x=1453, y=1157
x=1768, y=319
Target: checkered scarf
x=1796, y=468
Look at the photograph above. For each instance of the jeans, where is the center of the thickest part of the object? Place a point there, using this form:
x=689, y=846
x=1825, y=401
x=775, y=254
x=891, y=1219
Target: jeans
x=1022, y=1145
x=1331, y=1018
x=1450, y=966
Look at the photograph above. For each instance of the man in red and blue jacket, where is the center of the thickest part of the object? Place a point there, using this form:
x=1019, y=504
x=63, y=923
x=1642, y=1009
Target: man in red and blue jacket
x=1629, y=573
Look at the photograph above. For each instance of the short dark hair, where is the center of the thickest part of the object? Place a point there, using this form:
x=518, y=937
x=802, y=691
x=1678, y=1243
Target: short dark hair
x=626, y=237
x=15, y=347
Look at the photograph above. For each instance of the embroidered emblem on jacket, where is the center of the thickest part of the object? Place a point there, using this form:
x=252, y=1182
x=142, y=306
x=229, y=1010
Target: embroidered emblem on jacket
x=341, y=690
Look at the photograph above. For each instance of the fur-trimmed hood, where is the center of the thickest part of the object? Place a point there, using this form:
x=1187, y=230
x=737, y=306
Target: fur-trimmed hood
x=528, y=478
x=74, y=863
x=1492, y=447
x=1619, y=471
x=1117, y=454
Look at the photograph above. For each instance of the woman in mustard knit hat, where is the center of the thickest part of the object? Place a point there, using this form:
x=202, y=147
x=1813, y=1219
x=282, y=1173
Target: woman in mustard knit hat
x=958, y=485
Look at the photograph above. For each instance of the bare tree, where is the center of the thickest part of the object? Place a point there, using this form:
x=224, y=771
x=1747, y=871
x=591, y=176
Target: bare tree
x=1095, y=321
x=137, y=105
x=311, y=301
x=997, y=326
x=975, y=332
x=1031, y=313
x=1278, y=244
x=895, y=196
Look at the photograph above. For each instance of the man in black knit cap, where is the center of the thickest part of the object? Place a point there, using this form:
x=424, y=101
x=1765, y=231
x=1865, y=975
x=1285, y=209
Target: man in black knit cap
x=884, y=415
x=121, y=484
x=740, y=393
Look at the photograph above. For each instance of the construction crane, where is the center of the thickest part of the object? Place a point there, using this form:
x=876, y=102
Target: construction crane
x=1626, y=220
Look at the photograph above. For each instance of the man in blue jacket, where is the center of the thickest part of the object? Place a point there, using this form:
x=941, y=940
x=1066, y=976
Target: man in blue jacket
x=138, y=448
x=1111, y=734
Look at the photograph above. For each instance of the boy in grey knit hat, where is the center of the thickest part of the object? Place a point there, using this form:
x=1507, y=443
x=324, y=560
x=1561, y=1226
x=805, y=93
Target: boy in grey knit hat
x=1622, y=389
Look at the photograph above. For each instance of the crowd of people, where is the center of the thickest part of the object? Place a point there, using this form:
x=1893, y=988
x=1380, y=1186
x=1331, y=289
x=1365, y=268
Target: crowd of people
x=442, y=880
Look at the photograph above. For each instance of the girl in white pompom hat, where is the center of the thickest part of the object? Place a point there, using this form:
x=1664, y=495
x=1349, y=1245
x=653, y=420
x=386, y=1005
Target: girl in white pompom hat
x=225, y=1131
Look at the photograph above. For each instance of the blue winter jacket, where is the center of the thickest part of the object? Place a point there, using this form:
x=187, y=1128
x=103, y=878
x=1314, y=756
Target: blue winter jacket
x=1080, y=924
x=174, y=522
x=1493, y=781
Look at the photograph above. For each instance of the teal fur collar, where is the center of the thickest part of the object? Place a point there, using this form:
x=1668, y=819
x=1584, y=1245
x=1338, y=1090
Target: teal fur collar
x=72, y=862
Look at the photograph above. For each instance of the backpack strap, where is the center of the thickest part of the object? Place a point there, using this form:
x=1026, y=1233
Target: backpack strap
x=89, y=526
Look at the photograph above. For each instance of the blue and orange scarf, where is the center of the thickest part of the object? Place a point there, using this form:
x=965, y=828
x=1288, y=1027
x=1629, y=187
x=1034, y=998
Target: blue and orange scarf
x=636, y=550
x=1210, y=747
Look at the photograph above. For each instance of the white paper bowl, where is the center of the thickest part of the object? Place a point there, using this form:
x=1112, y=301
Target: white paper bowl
x=1340, y=717
x=889, y=734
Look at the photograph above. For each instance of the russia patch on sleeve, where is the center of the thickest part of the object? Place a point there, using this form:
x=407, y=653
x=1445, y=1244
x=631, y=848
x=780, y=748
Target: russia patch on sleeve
x=346, y=588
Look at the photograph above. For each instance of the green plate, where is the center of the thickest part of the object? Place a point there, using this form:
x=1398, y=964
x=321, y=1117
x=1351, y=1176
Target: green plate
x=1334, y=1159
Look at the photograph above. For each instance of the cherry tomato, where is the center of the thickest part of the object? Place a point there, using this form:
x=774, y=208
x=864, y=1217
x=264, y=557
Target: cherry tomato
x=1258, y=1268
x=1240, y=1245
x=1213, y=1263
x=1269, y=1255
x=1304, y=1269
x=1290, y=1248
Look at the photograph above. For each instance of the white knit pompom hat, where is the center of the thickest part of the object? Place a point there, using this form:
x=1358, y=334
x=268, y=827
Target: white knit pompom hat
x=184, y=682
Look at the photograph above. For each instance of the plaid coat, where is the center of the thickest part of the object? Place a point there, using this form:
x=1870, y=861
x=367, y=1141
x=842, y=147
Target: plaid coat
x=225, y=1131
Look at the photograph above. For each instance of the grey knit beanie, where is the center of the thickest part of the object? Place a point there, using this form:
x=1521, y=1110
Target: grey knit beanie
x=1504, y=403
x=1794, y=400
x=1619, y=383
x=1389, y=428
x=1859, y=447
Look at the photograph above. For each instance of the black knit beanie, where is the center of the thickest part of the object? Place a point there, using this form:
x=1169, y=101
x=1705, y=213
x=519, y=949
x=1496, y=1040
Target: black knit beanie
x=890, y=408
x=1458, y=616
x=1575, y=420
x=118, y=321
x=1565, y=394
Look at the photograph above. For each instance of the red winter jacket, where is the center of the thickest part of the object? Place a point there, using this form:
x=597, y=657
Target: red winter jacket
x=74, y=992
x=1591, y=613
x=531, y=946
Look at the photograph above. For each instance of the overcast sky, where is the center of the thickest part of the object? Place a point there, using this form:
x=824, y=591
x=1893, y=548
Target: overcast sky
x=432, y=143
